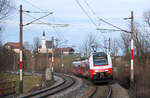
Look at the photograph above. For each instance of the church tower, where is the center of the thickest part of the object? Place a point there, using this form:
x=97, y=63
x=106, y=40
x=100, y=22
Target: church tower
x=43, y=41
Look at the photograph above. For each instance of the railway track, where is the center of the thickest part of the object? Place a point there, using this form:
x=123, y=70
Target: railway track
x=97, y=90
x=68, y=81
x=110, y=92
x=91, y=93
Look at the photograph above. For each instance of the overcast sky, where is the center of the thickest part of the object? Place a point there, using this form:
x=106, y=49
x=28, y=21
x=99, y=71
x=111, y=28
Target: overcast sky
x=69, y=12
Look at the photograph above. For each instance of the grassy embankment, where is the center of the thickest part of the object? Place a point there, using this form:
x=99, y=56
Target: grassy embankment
x=28, y=81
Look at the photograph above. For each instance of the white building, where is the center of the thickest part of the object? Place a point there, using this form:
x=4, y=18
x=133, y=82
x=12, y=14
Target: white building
x=46, y=46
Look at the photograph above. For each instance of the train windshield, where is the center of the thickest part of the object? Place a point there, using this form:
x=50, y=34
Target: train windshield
x=100, y=60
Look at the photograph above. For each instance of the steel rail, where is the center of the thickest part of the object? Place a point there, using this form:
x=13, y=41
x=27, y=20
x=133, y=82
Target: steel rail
x=43, y=90
x=110, y=92
x=53, y=90
x=65, y=86
x=92, y=93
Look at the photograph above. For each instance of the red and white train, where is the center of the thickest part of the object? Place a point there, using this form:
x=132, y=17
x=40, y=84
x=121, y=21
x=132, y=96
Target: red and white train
x=97, y=67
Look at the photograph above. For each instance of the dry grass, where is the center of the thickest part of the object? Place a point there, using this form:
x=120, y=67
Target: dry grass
x=142, y=81
x=122, y=73
x=67, y=61
x=142, y=77
x=29, y=81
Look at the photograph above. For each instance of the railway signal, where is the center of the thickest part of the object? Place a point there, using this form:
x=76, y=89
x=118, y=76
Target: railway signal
x=21, y=46
x=132, y=44
x=52, y=63
x=21, y=49
x=132, y=30
x=21, y=40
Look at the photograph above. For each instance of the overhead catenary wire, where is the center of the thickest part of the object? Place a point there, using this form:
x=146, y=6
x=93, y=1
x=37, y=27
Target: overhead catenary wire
x=114, y=25
x=33, y=17
x=90, y=7
x=107, y=29
x=45, y=23
x=34, y=12
x=53, y=27
x=93, y=14
x=100, y=19
x=54, y=21
x=38, y=19
x=86, y=13
x=58, y=34
x=33, y=5
x=49, y=24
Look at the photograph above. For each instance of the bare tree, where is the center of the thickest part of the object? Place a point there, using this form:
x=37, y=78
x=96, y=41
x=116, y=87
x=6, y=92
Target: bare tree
x=36, y=43
x=114, y=47
x=146, y=16
x=126, y=44
x=6, y=56
x=5, y=8
x=26, y=45
x=86, y=46
x=140, y=44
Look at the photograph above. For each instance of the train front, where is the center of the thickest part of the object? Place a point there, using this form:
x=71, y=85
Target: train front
x=100, y=66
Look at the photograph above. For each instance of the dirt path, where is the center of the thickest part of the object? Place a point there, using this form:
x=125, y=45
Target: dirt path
x=119, y=92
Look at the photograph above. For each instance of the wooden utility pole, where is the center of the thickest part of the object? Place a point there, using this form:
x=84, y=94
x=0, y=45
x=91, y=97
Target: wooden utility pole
x=132, y=34
x=52, y=64
x=21, y=54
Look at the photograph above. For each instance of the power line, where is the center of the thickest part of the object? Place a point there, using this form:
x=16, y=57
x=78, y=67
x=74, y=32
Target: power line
x=34, y=18
x=92, y=12
x=100, y=19
x=60, y=36
x=108, y=29
x=86, y=13
x=56, y=30
x=41, y=22
x=34, y=5
x=35, y=12
x=38, y=19
x=90, y=7
x=113, y=25
x=30, y=16
x=49, y=24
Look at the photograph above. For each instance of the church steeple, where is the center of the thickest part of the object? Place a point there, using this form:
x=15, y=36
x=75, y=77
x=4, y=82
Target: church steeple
x=43, y=33
x=43, y=40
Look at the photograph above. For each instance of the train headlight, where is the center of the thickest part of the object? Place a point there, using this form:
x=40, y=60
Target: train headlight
x=106, y=70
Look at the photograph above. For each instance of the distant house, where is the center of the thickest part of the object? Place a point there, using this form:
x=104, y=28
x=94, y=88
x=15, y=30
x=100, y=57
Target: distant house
x=13, y=46
x=46, y=46
x=64, y=51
